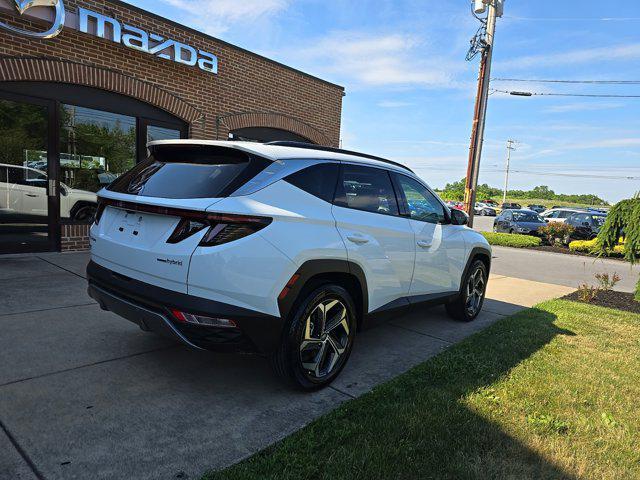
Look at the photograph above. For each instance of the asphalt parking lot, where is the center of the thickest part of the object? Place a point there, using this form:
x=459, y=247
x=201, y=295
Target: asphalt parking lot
x=85, y=394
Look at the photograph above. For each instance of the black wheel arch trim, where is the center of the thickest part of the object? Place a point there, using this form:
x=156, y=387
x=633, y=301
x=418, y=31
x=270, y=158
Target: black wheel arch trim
x=475, y=254
x=324, y=267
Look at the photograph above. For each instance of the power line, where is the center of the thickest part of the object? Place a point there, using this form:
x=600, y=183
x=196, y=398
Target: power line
x=572, y=175
x=563, y=19
x=602, y=82
x=538, y=94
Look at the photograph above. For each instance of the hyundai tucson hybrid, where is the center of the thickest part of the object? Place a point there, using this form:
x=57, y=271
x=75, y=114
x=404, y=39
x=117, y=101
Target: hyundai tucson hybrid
x=283, y=249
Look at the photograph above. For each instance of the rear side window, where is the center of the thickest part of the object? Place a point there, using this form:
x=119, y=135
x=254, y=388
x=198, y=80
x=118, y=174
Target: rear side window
x=318, y=180
x=190, y=171
x=366, y=188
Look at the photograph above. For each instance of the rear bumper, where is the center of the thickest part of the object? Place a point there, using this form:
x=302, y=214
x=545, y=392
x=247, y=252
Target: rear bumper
x=149, y=306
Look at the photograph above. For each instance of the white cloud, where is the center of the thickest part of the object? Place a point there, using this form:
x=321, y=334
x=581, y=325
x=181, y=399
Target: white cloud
x=394, y=104
x=574, y=57
x=583, y=107
x=372, y=60
x=217, y=16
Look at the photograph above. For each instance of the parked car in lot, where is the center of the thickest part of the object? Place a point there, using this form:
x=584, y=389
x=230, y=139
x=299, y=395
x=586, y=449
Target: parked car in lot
x=511, y=206
x=537, y=208
x=484, y=210
x=456, y=205
x=286, y=249
x=559, y=214
x=522, y=221
x=586, y=224
x=24, y=196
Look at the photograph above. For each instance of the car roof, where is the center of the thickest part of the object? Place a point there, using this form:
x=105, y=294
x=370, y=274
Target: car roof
x=285, y=152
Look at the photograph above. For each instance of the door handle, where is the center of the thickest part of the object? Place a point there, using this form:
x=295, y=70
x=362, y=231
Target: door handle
x=357, y=239
x=424, y=244
x=31, y=195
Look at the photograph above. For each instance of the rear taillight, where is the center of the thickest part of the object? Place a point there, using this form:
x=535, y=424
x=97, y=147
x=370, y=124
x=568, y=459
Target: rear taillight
x=202, y=320
x=185, y=229
x=99, y=211
x=223, y=228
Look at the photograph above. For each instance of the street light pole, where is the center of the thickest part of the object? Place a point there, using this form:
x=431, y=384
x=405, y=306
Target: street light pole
x=506, y=175
x=480, y=111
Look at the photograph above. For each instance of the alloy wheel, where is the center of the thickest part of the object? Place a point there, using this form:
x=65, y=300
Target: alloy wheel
x=326, y=338
x=85, y=214
x=476, y=286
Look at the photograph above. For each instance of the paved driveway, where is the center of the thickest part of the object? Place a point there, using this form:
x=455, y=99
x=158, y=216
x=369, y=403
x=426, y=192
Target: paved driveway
x=85, y=394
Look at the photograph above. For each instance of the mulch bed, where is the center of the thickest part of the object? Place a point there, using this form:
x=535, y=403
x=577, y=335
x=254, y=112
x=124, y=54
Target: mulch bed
x=566, y=251
x=611, y=299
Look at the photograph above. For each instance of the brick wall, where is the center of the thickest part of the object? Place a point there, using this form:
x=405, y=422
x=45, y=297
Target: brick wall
x=245, y=82
x=74, y=238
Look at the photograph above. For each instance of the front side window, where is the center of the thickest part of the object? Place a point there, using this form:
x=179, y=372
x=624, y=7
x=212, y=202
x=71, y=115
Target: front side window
x=421, y=203
x=190, y=171
x=366, y=188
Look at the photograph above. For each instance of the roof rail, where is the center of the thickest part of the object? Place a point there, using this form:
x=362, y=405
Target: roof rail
x=311, y=146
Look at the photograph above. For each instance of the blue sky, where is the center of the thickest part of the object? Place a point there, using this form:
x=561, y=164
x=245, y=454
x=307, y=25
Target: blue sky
x=410, y=90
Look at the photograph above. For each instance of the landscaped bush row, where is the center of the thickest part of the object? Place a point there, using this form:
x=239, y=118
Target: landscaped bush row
x=591, y=247
x=512, y=240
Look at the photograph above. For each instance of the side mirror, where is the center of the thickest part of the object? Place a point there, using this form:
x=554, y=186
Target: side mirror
x=458, y=217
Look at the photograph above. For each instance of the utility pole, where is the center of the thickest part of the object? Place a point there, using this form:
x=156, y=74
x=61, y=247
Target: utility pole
x=510, y=147
x=480, y=112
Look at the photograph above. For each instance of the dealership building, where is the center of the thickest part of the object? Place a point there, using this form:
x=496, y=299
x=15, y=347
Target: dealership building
x=84, y=85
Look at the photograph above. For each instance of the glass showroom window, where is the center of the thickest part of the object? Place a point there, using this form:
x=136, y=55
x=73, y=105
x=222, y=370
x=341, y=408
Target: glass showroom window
x=23, y=177
x=160, y=133
x=95, y=148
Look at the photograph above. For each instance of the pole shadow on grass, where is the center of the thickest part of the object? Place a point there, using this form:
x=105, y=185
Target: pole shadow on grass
x=439, y=434
x=418, y=425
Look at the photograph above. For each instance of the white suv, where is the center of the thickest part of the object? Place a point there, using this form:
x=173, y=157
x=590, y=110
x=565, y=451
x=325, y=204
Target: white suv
x=23, y=194
x=285, y=249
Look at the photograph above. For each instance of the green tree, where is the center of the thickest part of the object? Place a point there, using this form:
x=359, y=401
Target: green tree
x=623, y=221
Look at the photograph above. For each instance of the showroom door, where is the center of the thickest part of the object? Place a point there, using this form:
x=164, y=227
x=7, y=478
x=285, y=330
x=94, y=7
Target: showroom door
x=28, y=175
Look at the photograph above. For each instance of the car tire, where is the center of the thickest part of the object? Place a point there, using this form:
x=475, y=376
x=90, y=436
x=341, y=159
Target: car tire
x=511, y=231
x=313, y=352
x=85, y=212
x=468, y=305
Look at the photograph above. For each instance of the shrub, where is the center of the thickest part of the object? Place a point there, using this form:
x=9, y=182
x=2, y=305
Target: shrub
x=606, y=281
x=587, y=293
x=593, y=248
x=512, y=240
x=556, y=232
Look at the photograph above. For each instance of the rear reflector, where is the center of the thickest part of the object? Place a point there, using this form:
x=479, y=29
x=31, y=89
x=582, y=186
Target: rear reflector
x=202, y=320
x=287, y=288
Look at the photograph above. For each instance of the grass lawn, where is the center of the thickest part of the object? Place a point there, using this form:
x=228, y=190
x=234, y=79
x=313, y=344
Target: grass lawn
x=551, y=392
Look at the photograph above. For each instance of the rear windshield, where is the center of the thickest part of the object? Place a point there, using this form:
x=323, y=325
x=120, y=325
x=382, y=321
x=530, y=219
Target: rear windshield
x=190, y=171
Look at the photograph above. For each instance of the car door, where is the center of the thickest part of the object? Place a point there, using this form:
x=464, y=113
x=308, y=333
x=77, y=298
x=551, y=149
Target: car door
x=581, y=224
x=505, y=221
x=33, y=185
x=440, y=246
x=376, y=237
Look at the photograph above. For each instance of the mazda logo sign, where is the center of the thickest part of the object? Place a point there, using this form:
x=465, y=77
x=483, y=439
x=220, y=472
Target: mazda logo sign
x=58, y=22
